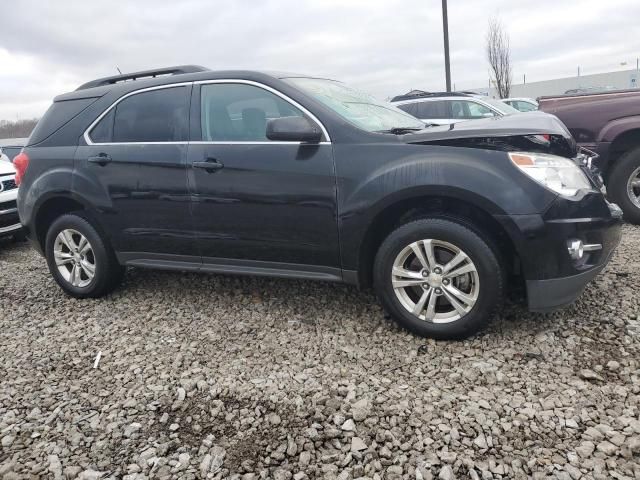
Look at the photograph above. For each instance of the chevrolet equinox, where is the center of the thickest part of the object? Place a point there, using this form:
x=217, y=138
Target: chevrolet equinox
x=242, y=172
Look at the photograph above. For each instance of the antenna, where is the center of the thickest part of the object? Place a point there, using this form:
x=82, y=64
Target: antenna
x=118, y=70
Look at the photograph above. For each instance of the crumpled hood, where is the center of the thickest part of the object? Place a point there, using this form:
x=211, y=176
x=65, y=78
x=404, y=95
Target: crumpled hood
x=501, y=133
x=529, y=123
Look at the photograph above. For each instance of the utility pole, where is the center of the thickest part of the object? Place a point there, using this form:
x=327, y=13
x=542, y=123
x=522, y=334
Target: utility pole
x=445, y=29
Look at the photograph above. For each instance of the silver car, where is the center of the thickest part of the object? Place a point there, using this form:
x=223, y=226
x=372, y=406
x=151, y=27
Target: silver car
x=445, y=109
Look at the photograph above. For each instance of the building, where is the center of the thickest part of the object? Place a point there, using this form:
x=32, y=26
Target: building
x=611, y=80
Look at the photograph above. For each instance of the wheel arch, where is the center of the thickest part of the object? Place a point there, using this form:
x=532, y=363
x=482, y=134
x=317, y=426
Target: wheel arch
x=624, y=142
x=51, y=208
x=476, y=215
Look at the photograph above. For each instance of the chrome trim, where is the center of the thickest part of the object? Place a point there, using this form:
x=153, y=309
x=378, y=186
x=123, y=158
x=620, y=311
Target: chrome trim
x=11, y=228
x=200, y=142
x=592, y=247
x=88, y=140
x=8, y=211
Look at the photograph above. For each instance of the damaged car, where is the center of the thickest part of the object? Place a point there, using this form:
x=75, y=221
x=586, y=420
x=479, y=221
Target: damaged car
x=243, y=172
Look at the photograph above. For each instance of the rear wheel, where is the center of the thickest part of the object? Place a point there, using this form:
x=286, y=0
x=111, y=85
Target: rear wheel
x=79, y=259
x=438, y=278
x=624, y=185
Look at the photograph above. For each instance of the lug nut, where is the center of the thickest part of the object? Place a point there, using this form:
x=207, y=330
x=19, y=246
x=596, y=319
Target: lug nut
x=438, y=271
x=445, y=282
x=438, y=291
x=425, y=273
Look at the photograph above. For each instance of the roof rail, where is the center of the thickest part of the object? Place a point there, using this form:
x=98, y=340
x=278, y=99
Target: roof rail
x=421, y=94
x=178, y=70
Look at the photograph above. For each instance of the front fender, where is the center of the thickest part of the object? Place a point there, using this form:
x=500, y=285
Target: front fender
x=396, y=173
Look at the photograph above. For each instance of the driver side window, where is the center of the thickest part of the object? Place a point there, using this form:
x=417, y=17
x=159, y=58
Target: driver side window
x=239, y=112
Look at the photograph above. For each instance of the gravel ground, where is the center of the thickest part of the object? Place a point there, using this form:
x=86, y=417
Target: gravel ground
x=232, y=377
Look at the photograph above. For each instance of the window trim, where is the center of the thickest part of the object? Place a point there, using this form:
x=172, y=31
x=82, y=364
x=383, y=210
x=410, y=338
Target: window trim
x=288, y=99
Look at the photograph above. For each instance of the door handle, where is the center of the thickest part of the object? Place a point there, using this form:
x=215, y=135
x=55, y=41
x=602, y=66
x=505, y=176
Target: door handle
x=101, y=159
x=210, y=165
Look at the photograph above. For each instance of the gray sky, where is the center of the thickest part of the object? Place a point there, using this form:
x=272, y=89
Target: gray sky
x=383, y=46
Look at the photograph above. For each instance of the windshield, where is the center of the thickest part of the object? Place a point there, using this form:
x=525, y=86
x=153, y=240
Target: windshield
x=357, y=107
x=500, y=106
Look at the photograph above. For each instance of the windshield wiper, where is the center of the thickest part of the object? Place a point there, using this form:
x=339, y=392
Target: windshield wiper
x=401, y=130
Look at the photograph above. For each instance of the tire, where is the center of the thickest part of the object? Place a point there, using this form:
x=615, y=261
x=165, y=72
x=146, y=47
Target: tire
x=622, y=171
x=107, y=272
x=481, y=281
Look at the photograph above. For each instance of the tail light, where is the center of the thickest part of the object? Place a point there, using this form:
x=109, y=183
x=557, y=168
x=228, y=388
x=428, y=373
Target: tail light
x=21, y=163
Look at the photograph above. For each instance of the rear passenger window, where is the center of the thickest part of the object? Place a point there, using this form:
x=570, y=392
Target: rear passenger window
x=153, y=116
x=433, y=109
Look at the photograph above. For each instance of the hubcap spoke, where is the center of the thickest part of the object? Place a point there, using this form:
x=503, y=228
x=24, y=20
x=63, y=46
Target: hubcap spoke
x=431, y=257
x=431, y=308
x=63, y=258
x=83, y=244
x=406, y=278
x=636, y=183
x=417, y=249
x=88, y=268
x=468, y=268
x=417, y=309
x=67, y=239
x=460, y=308
x=463, y=297
x=455, y=261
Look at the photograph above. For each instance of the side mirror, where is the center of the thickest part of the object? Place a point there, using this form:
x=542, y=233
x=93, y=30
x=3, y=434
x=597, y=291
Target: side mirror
x=488, y=115
x=293, y=129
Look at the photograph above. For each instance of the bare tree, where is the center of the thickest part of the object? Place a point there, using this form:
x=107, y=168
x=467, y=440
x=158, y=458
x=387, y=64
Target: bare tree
x=499, y=56
x=17, y=129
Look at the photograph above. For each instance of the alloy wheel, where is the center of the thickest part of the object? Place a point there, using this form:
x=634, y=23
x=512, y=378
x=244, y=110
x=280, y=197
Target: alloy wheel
x=633, y=187
x=74, y=258
x=435, y=281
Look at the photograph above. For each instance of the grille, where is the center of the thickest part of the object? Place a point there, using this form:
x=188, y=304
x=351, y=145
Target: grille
x=8, y=185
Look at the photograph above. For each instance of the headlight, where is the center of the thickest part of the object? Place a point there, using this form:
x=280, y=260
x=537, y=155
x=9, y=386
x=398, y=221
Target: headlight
x=559, y=174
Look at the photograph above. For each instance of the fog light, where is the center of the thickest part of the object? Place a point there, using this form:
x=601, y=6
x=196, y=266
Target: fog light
x=576, y=249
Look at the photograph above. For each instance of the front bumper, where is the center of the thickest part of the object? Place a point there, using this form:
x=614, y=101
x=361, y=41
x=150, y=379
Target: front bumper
x=552, y=277
x=554, y=293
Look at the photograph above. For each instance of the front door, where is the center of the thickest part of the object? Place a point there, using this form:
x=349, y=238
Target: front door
x=259, y=204
x=135, y=160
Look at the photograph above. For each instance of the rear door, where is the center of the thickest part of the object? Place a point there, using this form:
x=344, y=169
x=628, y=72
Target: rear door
x=261, y=203
x=134, y=164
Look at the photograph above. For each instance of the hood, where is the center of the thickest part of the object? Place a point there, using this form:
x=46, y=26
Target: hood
x=6, y=167
x=511, y=132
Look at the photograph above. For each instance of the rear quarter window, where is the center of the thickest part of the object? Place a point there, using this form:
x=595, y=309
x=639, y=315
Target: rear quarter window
x=58, y=115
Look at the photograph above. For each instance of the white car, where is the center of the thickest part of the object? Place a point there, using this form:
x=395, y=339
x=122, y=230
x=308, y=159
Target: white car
x=449, y=108
x=9, y=221
x=521, y=104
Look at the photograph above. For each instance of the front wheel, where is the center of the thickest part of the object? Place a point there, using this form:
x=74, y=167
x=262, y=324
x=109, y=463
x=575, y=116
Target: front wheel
x=438, y=278
x=624, y=185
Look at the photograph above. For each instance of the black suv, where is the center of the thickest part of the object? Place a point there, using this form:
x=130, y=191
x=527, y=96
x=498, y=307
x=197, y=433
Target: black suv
x=299, y=177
